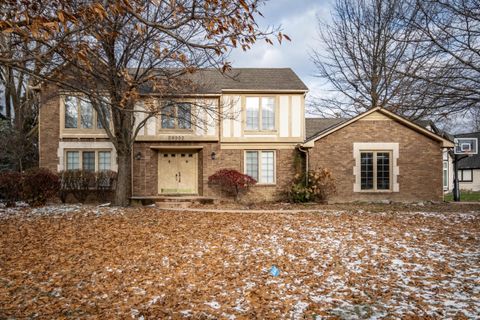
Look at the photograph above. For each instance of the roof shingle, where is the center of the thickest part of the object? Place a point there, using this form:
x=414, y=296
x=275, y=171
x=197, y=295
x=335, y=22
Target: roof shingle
x=212, y=81
x=315, y=126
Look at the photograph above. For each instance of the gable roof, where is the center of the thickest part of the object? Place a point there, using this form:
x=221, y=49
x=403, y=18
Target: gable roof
x=473, y=161
x=445, y=142
x=212, y=81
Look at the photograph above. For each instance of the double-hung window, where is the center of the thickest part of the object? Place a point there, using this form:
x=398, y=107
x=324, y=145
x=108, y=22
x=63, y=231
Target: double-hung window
x=79, y=114
x=260, y=165
x=260, y=113
x=177, y=116
x=375, y=170
x=88, y=160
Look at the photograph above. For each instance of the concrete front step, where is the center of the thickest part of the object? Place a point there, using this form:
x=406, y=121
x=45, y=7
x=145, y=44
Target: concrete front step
x=172, y=201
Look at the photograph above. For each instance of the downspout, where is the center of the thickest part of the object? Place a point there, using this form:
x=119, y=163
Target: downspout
x=305, y=151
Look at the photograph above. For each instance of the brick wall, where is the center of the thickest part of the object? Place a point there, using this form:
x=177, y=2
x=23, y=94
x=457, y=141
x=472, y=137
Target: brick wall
x=49, y=128
x=420, y=161
x=145, y=171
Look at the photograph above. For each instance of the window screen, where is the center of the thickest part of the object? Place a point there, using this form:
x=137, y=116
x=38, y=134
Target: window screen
x=104, y=160
x=106, y=113
x=73, y=160
x=88, y=160
x=268, y=113
x=252, y=113
x=268, y=167
x=86, y=114
x=184, y=113
x=252, y=164
x=168, y=117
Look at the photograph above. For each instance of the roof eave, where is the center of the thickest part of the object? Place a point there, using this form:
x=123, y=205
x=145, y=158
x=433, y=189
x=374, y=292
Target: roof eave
x=266, y=90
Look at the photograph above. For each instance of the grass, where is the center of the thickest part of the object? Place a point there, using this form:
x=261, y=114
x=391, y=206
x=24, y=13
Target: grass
x=465, y=196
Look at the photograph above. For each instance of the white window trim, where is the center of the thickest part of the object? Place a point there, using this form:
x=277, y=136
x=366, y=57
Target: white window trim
x=63, y=147
x=260, y=166
x=358, y=147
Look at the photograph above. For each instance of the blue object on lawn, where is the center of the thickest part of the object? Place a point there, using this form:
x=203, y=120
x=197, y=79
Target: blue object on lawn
x=274, y=271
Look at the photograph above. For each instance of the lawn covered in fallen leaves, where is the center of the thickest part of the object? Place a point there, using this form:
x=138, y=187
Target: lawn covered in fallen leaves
x=145, y=263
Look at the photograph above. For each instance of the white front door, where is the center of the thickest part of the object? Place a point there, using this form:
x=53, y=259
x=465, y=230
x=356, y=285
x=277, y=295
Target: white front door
x=177, y=172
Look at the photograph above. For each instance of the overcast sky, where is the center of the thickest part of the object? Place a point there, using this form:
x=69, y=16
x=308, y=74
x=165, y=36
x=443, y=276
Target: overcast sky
x=298, y=19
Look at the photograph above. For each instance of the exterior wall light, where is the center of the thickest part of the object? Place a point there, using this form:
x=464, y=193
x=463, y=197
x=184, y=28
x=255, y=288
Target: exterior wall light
x=138, y=156
x=213, y=155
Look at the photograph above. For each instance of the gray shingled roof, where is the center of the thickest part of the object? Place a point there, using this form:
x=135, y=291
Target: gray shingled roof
x=472, y=162
x=212, y=81
x=315, y=126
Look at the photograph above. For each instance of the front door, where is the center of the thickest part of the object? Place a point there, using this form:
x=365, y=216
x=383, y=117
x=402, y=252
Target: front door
x=177, y=172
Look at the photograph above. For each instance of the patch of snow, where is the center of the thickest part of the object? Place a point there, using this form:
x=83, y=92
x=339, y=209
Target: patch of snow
x=213, y=304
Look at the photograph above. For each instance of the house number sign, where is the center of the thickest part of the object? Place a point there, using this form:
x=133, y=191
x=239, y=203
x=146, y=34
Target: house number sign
x=176, y=138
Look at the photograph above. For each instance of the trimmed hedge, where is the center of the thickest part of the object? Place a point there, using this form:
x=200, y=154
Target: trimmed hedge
x=81, y=184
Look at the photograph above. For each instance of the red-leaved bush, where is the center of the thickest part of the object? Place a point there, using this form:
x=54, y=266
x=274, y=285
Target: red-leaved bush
x=39, y=185
x=10, y=187
x=231, y=182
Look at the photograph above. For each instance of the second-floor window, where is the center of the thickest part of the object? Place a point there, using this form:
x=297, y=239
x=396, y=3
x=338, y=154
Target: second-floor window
x=260, y=113
x=177, y=116
x=79, y=114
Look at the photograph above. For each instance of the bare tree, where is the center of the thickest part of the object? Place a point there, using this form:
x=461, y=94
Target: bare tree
x=111, y=51
x=452, y=27
x=371, y=56
x=19, y=135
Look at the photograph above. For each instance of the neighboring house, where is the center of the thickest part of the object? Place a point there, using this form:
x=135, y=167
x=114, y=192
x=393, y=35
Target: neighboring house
x=262, y=132
x=447, y=167
x=468, y=168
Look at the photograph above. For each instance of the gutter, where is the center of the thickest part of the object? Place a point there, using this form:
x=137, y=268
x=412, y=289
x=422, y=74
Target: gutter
x=305, y=151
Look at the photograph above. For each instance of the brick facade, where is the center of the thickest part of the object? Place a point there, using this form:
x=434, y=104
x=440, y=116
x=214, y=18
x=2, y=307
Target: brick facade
x=420, y=161
x=49, y=128
x=145, y=170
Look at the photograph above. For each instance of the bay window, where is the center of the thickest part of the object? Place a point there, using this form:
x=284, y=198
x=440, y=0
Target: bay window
x=260, y=165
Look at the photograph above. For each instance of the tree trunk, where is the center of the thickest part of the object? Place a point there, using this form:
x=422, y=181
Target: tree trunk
x=124, y=178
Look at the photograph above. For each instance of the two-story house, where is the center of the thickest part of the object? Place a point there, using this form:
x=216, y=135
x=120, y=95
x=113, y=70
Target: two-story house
x=253, y=121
